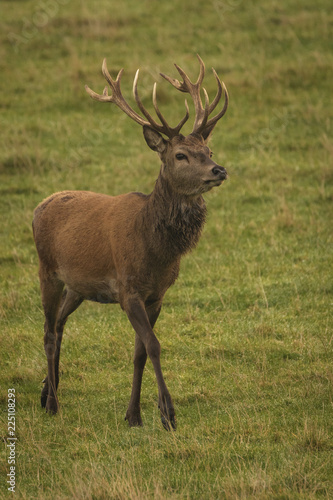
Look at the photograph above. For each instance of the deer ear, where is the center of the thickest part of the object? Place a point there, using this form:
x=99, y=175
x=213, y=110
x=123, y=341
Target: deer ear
x=154, y=140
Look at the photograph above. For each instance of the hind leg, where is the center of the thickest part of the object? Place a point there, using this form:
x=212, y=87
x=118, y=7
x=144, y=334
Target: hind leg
x=51, y=289
x=70, y=302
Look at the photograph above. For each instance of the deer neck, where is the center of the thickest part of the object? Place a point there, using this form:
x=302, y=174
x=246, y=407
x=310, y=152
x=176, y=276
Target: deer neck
x=174, y=221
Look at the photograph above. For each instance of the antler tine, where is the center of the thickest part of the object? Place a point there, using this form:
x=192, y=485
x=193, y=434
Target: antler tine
x=165, y=127
x=150, y=119
x=105, y=97
x=218, y=93
x=212, y=121
x=184, y=120
x=114, y=84
x=116, y=97
x=201, y=113
x=201, y=123
x=158, y=112
x=176, y=129
x=202, y=71
x=99, y=97
x=174, y=82
x=186, y=84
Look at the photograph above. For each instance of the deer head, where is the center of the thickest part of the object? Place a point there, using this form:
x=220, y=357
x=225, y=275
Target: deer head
x=186, y=161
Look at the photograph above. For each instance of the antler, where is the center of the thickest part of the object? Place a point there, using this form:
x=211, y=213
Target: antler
x=201, y=124
x=118, y=99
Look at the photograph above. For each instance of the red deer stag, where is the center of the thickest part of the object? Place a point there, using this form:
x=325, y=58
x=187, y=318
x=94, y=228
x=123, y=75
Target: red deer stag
x=126, y=249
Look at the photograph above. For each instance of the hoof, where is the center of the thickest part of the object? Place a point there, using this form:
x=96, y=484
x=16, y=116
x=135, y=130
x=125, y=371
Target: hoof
x=169, y=424
x=168, y=418
x=52, y=405
x=134, y=420
x=44, y=393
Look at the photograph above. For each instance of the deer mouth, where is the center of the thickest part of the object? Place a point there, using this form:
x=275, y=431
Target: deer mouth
x=216, y=182
x=210, y=184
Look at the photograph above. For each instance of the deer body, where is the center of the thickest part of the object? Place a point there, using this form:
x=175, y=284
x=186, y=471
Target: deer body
x=133, y=247
x=125, y=249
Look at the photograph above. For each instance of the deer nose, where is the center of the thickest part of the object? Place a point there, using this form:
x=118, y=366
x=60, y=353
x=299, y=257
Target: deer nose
x=220, y=172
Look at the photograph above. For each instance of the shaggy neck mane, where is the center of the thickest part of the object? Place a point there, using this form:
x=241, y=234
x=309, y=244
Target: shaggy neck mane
x=175, y=222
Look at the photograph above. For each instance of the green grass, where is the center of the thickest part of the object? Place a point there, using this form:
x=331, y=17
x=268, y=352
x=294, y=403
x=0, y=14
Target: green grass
x=246, y=331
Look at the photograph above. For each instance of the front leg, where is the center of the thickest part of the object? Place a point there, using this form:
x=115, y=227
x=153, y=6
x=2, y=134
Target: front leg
x=133, y=414
x=141, y=323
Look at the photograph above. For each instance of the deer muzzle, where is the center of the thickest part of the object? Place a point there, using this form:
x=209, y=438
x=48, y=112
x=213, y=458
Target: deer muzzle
x=219, y=173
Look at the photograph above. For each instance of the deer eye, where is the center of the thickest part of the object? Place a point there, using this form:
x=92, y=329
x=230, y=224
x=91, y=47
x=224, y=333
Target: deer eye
x=180, y=156
x=211, y=154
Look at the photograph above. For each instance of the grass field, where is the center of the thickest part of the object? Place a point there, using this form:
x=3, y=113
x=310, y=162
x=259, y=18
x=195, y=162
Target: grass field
x=246, y=331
